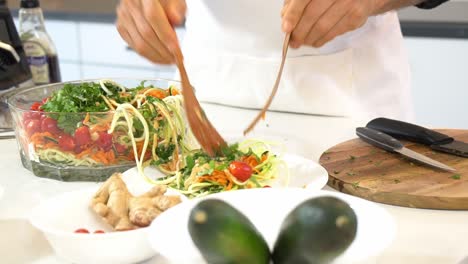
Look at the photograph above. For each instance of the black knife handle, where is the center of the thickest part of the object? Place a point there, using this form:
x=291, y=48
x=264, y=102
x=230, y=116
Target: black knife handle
x=378, y=139
x=411, y=132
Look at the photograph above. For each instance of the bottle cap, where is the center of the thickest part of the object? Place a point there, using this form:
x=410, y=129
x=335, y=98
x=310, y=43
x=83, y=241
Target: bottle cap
x=29, y=3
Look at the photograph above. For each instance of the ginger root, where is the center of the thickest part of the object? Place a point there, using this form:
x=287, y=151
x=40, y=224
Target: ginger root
x=123, y=211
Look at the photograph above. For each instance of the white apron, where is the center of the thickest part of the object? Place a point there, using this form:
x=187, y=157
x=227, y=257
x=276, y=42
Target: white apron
x=232, y=52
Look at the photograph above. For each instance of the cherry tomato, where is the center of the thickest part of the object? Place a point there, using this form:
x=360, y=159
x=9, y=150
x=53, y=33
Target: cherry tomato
x=99, y=232
x=241, y=170
x=120, y=147
x=82, y=231
x=82, y=136
x=36, y=106
x=267, y=186
x=104, y=141
x=45, y=100
x=66, y=142
x=31, y=115
x=50, y=125
x=32, y=126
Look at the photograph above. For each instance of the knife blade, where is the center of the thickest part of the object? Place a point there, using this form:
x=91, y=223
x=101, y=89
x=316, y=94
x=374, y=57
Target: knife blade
x=386, y=142
x=435, y=140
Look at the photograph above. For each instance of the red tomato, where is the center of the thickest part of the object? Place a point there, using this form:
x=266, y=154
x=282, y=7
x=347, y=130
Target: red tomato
x=66, y=142
x=82, y=136
x=82, y=231
x=50, y=125
x=31, y=115
x=104, y=141
x=32, y=126
x=36, y=106
x=120, y=148
x=99, y=232
x=267, y=186
x=241, y=170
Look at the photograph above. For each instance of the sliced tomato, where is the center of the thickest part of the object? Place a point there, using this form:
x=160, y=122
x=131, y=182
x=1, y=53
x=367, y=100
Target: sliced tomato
x=36, y=106
x=50, y=125
x=120, y=148
x=31, y=115
x=82, y=136
x=241, y=170
x=66, y=142
x=104, y=141
x=99, y=232
x=32, y=126
x=82, y=231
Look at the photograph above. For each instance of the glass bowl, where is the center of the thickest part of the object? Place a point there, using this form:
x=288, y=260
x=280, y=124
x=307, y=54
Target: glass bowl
x=53, y=151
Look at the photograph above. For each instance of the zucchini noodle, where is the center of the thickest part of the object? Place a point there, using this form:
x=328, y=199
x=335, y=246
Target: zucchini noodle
x=148, y=124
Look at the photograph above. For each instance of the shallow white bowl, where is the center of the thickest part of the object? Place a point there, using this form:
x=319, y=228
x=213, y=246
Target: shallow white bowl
x=60, y=216
x=267, y=208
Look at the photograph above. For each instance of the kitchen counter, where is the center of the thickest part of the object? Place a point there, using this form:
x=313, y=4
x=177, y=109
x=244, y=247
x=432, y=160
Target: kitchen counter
x=449, y=20
x=423, y=236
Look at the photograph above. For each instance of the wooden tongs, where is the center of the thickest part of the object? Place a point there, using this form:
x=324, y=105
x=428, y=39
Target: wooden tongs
x=205, y=133
x=261, y=114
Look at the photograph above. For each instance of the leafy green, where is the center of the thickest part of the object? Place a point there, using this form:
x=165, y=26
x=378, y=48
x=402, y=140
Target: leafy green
x=78, y=98
x=164, y=153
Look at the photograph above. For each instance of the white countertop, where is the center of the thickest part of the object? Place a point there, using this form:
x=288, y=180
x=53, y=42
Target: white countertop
x=423, y=236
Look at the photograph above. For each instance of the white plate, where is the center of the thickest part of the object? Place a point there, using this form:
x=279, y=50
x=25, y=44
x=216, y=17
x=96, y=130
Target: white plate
x=267, y=208
x=303, y=173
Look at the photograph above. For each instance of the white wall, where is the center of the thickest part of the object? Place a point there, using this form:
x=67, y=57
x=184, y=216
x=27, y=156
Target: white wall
x=440, y=81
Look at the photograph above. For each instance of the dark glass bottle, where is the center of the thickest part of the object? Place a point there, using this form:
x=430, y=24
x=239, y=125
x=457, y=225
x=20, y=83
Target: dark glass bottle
x=38, y=46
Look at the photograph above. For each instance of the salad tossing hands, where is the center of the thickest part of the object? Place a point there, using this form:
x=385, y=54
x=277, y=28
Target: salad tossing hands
x=147, y=27
x=316, y=22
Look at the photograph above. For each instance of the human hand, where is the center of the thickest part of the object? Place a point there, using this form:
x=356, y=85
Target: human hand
x=316, y=22
x=147, y=27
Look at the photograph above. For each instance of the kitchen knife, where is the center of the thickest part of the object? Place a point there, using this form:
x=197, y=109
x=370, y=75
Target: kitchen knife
x=415, y=133
x=391, y=144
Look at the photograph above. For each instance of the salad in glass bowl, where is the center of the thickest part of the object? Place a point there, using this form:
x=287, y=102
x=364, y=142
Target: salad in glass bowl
x=87, y=130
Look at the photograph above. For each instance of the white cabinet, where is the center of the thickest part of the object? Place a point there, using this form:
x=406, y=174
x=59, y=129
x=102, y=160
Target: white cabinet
x=96, y=50
x=440, y=81
x=70, y=71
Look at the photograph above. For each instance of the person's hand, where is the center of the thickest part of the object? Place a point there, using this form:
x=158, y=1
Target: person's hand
x=147, y=27
x=316, y=22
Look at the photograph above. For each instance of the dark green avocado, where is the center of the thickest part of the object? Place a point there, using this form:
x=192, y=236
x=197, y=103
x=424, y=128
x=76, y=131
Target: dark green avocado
x=226, y=236
x=317, y=231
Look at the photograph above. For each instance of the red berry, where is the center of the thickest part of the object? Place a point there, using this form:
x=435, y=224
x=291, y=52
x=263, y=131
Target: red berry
x=241, y=170
x=66, y=142
x=50, y=125
x=36, y=106
x=82, y=136
x=104, y=141
x=82, y=231
x=32, y=126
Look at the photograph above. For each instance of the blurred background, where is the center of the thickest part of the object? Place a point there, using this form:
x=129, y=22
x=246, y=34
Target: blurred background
x=89, y=46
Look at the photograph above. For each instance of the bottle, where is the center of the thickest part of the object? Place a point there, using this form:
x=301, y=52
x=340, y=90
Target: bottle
x=38, y=46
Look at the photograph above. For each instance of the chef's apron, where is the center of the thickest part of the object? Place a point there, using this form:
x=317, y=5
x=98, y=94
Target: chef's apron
x=233, y=50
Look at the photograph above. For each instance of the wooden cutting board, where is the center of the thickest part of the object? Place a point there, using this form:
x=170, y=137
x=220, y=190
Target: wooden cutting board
x=357, y=168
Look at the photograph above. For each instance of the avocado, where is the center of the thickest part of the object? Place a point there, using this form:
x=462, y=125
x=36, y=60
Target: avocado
x=316, y=231
x=224, y=235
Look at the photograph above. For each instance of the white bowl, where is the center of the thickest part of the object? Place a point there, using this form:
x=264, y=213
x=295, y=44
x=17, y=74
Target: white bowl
x=267, y=208
x=60, y=216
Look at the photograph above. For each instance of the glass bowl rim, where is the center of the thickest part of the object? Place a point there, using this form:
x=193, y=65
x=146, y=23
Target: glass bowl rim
x=23, y=91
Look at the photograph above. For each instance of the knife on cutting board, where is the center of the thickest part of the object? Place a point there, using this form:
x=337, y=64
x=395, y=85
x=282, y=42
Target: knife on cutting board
x=402, y=130
x=384, y=141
